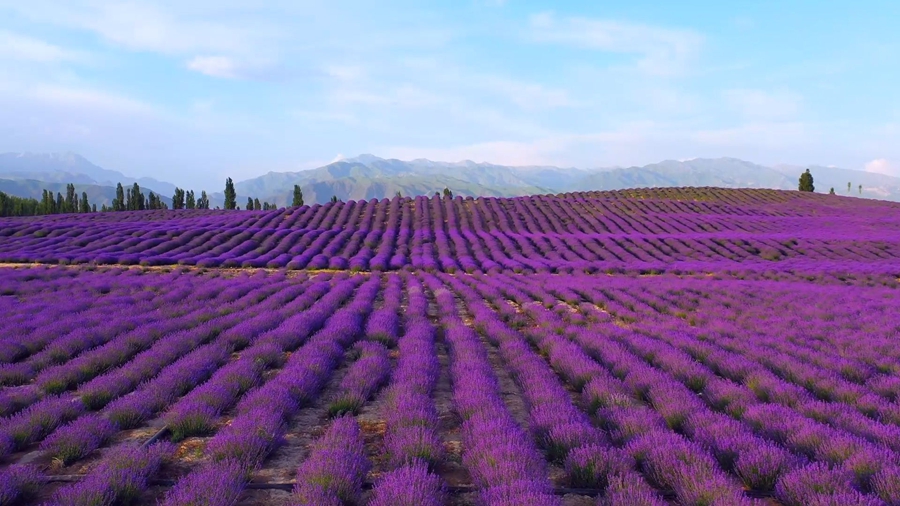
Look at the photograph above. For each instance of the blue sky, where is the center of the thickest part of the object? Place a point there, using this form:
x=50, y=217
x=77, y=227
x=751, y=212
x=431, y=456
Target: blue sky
x=195, y=91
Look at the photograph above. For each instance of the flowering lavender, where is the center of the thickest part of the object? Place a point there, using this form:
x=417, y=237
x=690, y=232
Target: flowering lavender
x=336, y=466
x=369, y=371
x=19, y=482
x=217, y=484
x=119, y=478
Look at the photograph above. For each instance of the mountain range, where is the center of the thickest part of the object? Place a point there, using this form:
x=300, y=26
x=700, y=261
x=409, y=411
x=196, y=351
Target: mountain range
x=368, y=176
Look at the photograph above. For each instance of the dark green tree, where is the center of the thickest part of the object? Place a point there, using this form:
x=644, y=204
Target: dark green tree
x=334, y=199
x=85, y=205
x=203, y=203
x=399, y=196
x=806, y=182
x=448, y=193
x=190, y=202
x=249, y=203
x=257, y=206
x=860, y=189
x=178, y=199
x=298, y=196
x=71, y=199
x=60, y=204
x=848, y=186
x=230, y=195
x=119, y=202
x=831, y=192
x=94, y=207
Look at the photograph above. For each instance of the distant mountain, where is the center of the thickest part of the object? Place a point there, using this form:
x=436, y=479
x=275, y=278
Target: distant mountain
x=368, y=176
x=719, y=172
x=97, y=194
x=71, y=168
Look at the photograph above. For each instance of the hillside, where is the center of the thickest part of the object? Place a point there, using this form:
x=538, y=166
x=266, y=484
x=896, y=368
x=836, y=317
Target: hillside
x=71, y=168
x=590, y=231
x=368, y=176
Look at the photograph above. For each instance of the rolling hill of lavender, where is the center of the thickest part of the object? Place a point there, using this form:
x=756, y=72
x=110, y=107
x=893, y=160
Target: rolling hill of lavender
x=665, y=346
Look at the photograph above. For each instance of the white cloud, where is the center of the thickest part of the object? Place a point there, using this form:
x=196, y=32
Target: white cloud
x=214, y=66
x=662, y=51
x=882, y=166
x=88, y=99
x=20, y=47
x=759, y=104
x=338, y=158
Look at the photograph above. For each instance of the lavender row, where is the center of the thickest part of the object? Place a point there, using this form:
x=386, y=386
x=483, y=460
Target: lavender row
x=505, y=467
x=241, y=447
x=567, y=233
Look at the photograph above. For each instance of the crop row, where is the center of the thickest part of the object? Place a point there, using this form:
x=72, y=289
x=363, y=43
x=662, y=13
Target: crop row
x=582, y=232
x=692, y=388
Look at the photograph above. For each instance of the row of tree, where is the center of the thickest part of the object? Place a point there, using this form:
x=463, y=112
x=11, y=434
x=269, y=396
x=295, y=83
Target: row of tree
x=134, y=200
x=186, y=200
x=10, y=205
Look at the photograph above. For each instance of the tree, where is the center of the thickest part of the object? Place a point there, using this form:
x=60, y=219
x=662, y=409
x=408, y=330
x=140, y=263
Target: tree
x=135, y=199
x=190, y=201
x=178, y=199
x=257, y=206
x=85, y=205
x=94, y=207
x=60, y=204
x=399, y=196
x=298, y=196
x=71, y=199
x=831, y=192
x=860, y=189
x=119, y=201
x=249, y=203
x=806, y=182
x=230, y=195
x=203, y=203
x=334, y=199
x=448, y=193
x=848, y=186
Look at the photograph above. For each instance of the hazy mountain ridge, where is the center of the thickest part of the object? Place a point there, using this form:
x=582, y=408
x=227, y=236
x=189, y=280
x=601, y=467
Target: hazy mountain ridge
x=368, y=176
x=71, y=168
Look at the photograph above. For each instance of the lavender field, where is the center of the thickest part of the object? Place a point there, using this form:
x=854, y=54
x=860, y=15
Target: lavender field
x=643, y=347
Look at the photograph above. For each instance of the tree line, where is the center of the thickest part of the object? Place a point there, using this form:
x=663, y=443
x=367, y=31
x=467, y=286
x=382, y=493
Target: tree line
x=10, y=205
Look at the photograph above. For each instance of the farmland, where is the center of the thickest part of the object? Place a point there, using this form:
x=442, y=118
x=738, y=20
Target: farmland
x=642, y=347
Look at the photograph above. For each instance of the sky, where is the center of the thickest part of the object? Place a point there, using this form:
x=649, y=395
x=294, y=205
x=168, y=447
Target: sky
x=192, y=92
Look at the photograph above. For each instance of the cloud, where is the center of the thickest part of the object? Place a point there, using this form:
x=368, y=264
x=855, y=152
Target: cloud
x=882, y=166
x=89, y=99
x=338, y=158
x=22, y=48
x=214, y=66
x=759, y=104
x=661, y=51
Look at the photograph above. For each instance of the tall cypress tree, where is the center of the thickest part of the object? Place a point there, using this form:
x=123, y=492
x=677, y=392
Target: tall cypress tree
x=60, y=204
x=298, y=196
x=203, y=203
x=256, y=205
x=190, y=202
x=230, y=195
x=119, y=202
x=85, y=205
x=249, y=203
x=178, y=199
x=806, y=182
